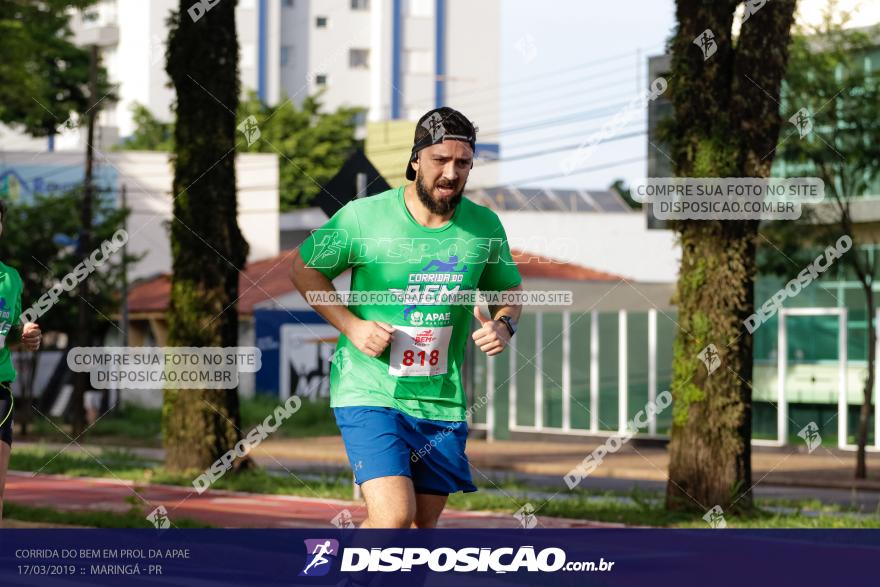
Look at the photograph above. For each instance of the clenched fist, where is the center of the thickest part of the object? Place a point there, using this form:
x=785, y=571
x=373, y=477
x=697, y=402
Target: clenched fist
x=371, y=338
x=30, y=336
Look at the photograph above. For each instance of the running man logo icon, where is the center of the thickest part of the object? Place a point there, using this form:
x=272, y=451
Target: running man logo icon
x=706, y=42
x=343, y=519
x=715, y=517
x=320, y=553
x=751, y=7
x=250, y=130
x=159, y=518
x=342, y=360
x=810, y=434
x=439, y=265
x=710, y=357
x=526, y=516
x=329, y=243
x=434, y=125
x=802, y=121
x=424, y=338
x=527, y=48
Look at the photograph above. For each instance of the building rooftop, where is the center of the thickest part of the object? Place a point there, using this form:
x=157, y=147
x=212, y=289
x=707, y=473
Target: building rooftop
x=268, y=279
x=511, y=198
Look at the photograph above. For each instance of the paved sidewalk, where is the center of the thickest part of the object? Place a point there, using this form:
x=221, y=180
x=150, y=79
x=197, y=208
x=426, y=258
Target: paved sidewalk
x=787, y=466
x=228, y=509
x=790, y=466
x=787, y=473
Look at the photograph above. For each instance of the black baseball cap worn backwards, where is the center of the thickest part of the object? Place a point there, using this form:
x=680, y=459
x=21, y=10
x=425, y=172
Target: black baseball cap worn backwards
x=437, y=125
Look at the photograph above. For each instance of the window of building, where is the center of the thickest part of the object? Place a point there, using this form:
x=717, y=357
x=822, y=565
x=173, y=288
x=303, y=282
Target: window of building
x=359, y=58
x=285, y=54
x=417, y=61
x=288, y=3
x=321, y=22
x=360, y=4
x=321, y=79
x=420, y=8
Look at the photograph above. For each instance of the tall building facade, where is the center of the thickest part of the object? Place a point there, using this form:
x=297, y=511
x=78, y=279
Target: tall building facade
x=393, y=58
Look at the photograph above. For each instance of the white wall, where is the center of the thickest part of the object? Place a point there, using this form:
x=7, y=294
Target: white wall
x=148, y=177
x=615, y=243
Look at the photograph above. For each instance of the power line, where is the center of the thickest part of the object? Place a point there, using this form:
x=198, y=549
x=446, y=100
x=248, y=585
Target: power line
x=565, y=148
x=531, y=79
x=577, y=171
x=549, y=102
x=455, y=99
x=580, y=133
x=568, y=118
x=582, y=115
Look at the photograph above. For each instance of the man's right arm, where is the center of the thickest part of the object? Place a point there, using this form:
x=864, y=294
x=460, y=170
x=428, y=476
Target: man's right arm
x=368, y=336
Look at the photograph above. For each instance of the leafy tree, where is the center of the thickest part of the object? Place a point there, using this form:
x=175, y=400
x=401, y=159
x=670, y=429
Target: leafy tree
x=311, y=144
x=34, y=243
x=150, y=133
x=45, y=76
x=37, y=241
x=207, y=248
x=830, y=81
x=726, y=120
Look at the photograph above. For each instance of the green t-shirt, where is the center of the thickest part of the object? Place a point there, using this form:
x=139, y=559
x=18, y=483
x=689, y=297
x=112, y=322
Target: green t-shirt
x=10, y=309
x=420, y=371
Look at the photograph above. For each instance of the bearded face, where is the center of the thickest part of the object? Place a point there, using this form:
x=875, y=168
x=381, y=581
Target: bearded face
x=441, y=175
x=440, y=198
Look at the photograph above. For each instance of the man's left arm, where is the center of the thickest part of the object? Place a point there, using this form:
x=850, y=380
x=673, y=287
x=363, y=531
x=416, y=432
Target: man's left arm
x=499, y=275
x=510, y=309
x=494, y=335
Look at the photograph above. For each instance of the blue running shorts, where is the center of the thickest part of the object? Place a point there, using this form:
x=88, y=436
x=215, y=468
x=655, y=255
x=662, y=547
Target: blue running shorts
x=383, y=442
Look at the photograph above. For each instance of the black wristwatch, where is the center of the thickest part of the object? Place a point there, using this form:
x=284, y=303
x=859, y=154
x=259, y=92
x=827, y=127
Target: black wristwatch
x=511, y=325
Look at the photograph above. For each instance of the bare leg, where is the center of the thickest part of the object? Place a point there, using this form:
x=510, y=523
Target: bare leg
x=5, y=449
x=391, y=502
x=428, y=510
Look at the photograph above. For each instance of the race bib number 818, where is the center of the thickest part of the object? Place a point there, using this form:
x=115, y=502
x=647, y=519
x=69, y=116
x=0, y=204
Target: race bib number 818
x=419, y=351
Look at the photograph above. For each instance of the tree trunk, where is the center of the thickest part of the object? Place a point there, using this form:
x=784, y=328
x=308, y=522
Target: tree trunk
x=208, y=249
x=726, y=124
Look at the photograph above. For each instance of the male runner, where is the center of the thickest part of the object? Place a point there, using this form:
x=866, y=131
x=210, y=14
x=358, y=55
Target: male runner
x=10, y=310
x=395, y=383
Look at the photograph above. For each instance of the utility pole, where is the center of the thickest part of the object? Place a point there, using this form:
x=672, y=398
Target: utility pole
x=84, y=246
x=114, y=401
x=124, y=313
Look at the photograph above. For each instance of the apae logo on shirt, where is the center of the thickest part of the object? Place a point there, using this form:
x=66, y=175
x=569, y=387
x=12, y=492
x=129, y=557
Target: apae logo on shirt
x=434, y=275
